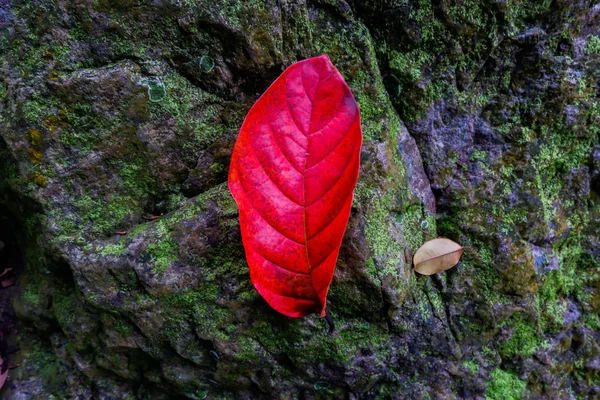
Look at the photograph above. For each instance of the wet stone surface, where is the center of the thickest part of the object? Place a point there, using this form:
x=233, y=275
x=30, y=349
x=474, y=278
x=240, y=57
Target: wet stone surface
x=481, y=124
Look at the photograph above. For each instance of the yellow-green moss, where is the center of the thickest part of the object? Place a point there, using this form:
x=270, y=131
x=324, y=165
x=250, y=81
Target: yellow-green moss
x=39, y=179
x=162, y=255
x=471, y=366
x=63, y=308
x=524, y=339
x=112, y=249
x=505, y=386
x=593, y=45
x=39, y=361
x=387, y=251
x=198, y=307
x=31, y=295
x=578, y=271
x=195, y=111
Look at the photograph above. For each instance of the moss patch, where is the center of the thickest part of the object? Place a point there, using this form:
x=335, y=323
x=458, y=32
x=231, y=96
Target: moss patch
x=524, y=339
x=505, y=386
x=162, y=255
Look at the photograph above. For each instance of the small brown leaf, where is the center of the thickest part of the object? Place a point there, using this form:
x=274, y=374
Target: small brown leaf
x=3, y=378
x=6, y=271
x=7, y=282
x=437, y=255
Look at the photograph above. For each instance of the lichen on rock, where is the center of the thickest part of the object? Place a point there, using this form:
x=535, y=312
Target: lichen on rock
x=480, y=119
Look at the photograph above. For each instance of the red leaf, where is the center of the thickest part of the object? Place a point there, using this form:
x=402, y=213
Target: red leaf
x=293, y=171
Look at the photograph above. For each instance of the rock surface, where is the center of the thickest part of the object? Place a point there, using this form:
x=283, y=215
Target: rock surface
x=481, y=122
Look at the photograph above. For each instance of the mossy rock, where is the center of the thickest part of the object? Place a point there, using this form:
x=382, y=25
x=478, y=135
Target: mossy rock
x=480, y=124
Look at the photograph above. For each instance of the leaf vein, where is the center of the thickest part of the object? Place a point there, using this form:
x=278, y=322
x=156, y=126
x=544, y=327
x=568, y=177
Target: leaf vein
x=265, y=219
x=332, y=186
x=262, y=167
x=279, y=266
x=330, y=222
x=335, y=148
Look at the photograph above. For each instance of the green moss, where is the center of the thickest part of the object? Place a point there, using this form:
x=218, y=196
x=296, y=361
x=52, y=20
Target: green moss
x=250, y=349
x=524, y=340
x=143, y=299
x=435, y=300
x=358, y=336
x=197, y=113
x=551, y=305
x=124, y=329
x=417, y=225
x=559, y=151
x=505, y=386
x=578, y=273
x=409, y=64
x=84, y=128
x=478, y=155
x=101, y=216
x=40, y=361
x=593, y=45
x=417, y=93
x=277, y=339
x=591, y=321
x=63, y=308
x=162, y=255
x=162, y=228
x=457, y=38
x=134, y=177
x=198, y=307
x=31, y=295
x=388, y=252
x=112, y=249
x=348, y=48
x=97, y=215
x=316, y=345
x=472, y=366
x=486, y=255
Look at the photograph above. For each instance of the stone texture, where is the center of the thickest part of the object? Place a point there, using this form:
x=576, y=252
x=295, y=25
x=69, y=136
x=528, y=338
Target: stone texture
x=481, y=123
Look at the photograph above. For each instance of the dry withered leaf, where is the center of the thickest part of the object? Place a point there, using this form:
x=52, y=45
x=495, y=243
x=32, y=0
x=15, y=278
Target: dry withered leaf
x=7, y=282
x=3, y=378
x=437, y=255
x=6, y=271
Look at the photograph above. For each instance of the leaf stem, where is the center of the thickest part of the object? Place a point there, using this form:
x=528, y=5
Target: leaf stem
x=329, y=319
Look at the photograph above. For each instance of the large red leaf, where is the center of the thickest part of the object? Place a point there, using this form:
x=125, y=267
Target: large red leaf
x=293, y=172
